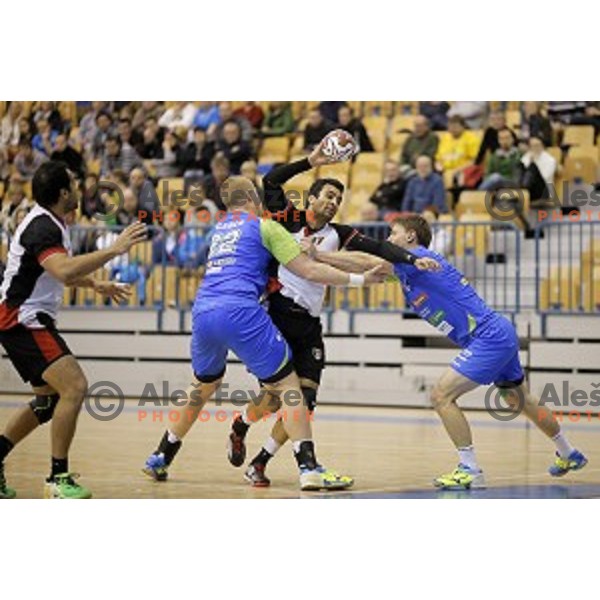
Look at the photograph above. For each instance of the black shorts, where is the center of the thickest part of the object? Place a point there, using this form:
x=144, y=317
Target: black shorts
x=303, y=333
x=32, y=351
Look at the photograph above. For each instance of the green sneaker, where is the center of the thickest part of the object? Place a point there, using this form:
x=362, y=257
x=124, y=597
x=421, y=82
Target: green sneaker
x=6, y=493
x=63, y=487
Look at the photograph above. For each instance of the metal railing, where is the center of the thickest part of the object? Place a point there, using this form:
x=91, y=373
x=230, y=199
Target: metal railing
x=567, y=259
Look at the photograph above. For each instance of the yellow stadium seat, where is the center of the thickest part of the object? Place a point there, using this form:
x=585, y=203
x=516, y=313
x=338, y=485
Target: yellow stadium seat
x=472, y=239
x=93, y=166
x=163, y=284
x=591, y=291
x=471, y=201
x=274, y=150
x=298, y=108
x=581, y=169
x=513, y=119
x=385, y=108
x=369, y=161
x=297, y=187
x=387, y=295
x=396, y=144
x=356, y=106
x=592, y=152
x=378, y=139
x=347, y=298
x=366, y=181
x=375, y=123
x=579, y=135
x=170, y=190
x=403, y=122
x=562, y=290
x=556, y=153
x=404, y=107
x=336, y=170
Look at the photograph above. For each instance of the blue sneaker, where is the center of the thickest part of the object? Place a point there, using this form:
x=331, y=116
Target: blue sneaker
x=156, y=467
x=562, y=466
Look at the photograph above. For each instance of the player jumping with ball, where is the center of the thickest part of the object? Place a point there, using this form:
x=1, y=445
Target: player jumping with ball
x=489, y=349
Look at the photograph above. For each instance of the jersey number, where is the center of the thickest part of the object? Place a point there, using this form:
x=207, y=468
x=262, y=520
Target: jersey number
x=224, y=243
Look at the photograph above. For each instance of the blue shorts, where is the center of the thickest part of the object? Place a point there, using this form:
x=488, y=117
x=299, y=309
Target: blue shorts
x=247, y=331
x=492, y=355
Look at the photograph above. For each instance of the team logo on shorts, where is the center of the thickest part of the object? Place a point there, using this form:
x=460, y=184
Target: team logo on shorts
x=317, y=353
x=420, y=299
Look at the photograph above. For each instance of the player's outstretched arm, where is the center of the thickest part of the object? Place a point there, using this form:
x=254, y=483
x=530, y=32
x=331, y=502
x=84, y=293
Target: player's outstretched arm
x=353, y=262
x=70, y=269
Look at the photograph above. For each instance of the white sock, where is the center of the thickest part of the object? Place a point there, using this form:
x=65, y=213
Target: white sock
x=271, y=446
x=246, y=418
x=466, y=457
x=172, y=438
x=562, y=445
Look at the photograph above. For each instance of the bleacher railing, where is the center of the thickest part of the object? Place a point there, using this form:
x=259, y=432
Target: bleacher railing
x=487, y=253
x=568, y=267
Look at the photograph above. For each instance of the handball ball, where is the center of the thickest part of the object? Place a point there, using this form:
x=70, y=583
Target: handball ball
x=339, y=145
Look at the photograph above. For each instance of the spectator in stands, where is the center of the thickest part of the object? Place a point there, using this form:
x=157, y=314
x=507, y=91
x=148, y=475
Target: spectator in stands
x=145, y=192
x=118, y=156
x=91, y=198
x=441, y=240
x=64, y=152
x=226, y=115
x=249, y=170
x=279, y=120
x=14, y=199
x=88, y=127
x=48, y=112
x=148, y=109
x=425, y=189
x=253, y=113
x=474, y=113
x=535, y=124
x=104, y=128
x=194, y=159
x=233, y=147
x=348, y=122
x=540, y=169
x=25, y=131
x=182, y=247
x=458, y=148
x=503, y=167
x=422, y=142
x=128, y=135
x=43, y=141
x=489, y=143
x=207, y=117
x=220, y=171
x=437, y=113
x=165, y=163
x=4, y=163
x=591, y=116
x=153, y=139
x=28, y=160
x=128, y=213
x=330, y=109
x=388, y=196
x=316, y=129
x=9, y=128
x=563, y=111
x=180, y=115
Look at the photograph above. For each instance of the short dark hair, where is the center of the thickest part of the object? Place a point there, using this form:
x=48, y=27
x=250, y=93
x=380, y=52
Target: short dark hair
x=25, y=142
x=104, y=113
x=457, y=119
x=48, y=181
x=316, y=188
x=417, y=224
x=113, y=137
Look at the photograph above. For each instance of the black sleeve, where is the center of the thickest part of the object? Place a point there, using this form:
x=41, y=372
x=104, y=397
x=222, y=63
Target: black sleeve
x=42, y=237
x=352, y=239
x=273, y=181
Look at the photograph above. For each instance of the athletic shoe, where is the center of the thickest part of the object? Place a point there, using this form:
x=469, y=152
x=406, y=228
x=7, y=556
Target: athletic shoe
x=462, y=478
x=323, y=479
x=562, y=466
x=63, y=487
x=236, y=449
x=156, y=467
x=6, y=493
x=255, y=475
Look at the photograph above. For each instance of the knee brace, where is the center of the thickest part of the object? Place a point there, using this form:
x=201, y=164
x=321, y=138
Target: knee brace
x=43, y=406
x=310, y=397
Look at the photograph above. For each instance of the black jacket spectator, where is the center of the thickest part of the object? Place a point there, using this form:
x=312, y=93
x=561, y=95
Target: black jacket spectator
x=389, y=195
x=354, y=126
x=68, y=155
x=316, y=129
x=437, y=113
x=233, y=147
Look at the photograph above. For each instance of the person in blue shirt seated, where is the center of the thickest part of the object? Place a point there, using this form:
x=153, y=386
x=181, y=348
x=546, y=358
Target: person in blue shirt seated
x=488, y=342
x=426, y=188
x=43, y=141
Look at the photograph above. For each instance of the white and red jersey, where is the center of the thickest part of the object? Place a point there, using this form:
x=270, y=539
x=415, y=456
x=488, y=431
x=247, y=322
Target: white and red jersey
x=27, y=289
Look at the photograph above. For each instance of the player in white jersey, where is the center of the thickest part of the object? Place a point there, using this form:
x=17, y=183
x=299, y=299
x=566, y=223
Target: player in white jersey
x=295, y=304
x=39, y=266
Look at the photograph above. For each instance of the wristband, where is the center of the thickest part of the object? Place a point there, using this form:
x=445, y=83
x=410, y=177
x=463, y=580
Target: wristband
x=356, y=280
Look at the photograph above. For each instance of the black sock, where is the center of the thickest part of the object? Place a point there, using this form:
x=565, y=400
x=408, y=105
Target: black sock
x=263, y=457
x=305, y=457
x=59, y=466
x=5, y=447
x=239, y=427
x=169, y=449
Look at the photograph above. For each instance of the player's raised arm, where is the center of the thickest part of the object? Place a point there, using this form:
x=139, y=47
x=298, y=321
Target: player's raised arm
x=71, y=269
